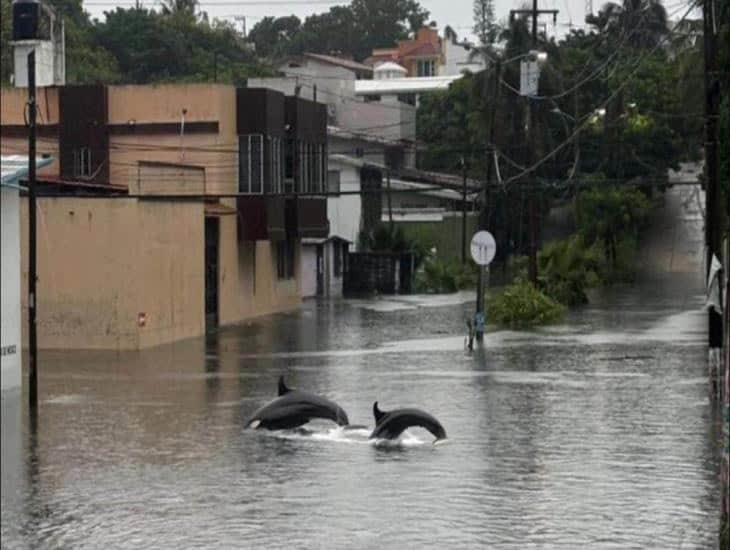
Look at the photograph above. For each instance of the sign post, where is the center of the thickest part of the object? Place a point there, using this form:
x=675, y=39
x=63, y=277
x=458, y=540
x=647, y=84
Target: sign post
x=483, y=249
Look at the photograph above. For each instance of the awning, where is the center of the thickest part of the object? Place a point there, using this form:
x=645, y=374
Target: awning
x=15, y=167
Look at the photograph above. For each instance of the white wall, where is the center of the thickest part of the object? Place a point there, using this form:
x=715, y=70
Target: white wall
x=10, y=318
x=456, y=60
x=308, y=270
x=344, y=212
x=388, y=118
x=44, y=62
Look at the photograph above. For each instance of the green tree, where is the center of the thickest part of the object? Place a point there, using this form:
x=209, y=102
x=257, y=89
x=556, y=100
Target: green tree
x=186, y=7
x=352, y=30
x=485, y=26
x=643, y=23
x=273, y=36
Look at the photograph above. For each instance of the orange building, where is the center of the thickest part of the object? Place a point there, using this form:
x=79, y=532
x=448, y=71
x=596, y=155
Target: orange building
x=421, y=56
x=169, y=209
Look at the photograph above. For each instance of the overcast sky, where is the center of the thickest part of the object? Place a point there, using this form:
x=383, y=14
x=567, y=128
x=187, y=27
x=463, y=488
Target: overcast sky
x=457, y=13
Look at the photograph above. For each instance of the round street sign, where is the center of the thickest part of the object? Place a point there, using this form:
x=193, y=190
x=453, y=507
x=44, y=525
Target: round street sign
x=483, y=247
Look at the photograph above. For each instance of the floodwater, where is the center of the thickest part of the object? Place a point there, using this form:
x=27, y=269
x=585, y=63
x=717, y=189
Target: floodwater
x=594, y=434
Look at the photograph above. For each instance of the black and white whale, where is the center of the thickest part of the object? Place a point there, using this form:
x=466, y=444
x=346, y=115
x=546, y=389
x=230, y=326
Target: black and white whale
x=390, y=424
x=294, y=408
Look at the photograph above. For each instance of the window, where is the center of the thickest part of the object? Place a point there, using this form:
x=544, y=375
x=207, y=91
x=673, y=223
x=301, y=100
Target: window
x=333, y=181
x=285, y=256
x=324, y=164
x=82, y=162
x=426, y=67
x=275, y=159
x=251, y=164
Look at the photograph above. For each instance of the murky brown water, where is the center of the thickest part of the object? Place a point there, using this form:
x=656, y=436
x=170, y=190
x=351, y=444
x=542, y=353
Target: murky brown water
x=596, y=434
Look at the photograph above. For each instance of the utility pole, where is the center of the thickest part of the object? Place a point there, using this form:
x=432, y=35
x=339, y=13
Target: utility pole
x=483, y=221
x=390, y=204
x=713, y=208
x=533, y=221
x=463, y=212
x=32, y=268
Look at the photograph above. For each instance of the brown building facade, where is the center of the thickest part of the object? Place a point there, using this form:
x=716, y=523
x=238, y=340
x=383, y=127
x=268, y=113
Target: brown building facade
x=421, y=56
x=169, y=209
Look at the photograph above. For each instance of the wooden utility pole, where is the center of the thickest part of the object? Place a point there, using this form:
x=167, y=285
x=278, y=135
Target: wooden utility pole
x=463, y=211
x=32, y=267
x=390, y=204
x=488, y=182
x=713, y=208
x=532, y=210
x=533, y=214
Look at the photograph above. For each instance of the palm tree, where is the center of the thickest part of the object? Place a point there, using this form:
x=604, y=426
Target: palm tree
x=642, y=23
x=170, y=7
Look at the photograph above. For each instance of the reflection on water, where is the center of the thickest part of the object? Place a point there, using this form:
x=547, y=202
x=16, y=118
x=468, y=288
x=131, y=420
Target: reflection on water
x=596, y=434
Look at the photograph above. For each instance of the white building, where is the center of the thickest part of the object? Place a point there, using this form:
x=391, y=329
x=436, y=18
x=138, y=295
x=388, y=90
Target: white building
x=13, y=169
x=358, y=127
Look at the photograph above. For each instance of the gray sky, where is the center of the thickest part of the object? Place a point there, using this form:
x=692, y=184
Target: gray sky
x=457, y=13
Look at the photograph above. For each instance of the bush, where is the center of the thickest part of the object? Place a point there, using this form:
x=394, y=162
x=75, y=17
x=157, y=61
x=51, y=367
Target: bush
x=440, y=276
x=568, y=268
x=522, y=305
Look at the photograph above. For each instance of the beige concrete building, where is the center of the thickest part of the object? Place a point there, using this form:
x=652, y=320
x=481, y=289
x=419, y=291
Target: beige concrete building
x=165, y=212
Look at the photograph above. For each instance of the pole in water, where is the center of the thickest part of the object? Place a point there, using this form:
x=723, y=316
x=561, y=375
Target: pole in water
x=32, y=267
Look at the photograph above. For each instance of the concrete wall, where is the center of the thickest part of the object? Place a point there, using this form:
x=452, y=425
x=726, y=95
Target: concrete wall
x=445, y=236
x=387, y=119
x=103, y=262
x=248, y=283
x=218, y=153
x=12, y=106
x=10, y=346
x=456, y=60
x=309, y=270
x=345, y=212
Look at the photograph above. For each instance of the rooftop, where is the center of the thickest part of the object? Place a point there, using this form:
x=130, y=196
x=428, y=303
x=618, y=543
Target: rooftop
x=412, y=85
x=340, y=62
x=15, y=167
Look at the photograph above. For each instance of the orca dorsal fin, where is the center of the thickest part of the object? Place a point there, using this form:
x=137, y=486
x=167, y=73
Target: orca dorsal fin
x=282, y=386
x=377, y=413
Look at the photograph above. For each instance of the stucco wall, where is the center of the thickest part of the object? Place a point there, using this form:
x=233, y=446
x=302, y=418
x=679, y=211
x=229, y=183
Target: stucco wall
x=10, y=361
x=218, y=153
x=345, y=212
x=309, y=270
x=248, y=283
x=103, y=262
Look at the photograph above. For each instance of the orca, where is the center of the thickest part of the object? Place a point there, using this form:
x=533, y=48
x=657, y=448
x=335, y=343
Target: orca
x=390, y=424
x=294, y=408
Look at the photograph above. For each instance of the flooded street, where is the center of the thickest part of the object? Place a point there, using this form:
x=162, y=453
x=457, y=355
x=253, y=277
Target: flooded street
x=594, y=434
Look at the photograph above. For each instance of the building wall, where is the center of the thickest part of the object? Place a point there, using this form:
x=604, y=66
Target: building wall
x=333, y=282
x=385, y=119
x=456, y=60
x=345, y=212
x=248, y=283
x=12, y=107
x=216, y=152
x=309, y=270
x=103, y=262
x=444, y=236
x=10, y=360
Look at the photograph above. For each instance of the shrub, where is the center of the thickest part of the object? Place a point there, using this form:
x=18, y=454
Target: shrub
x=440, y=276
x=522, y=305
x=568, y=268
